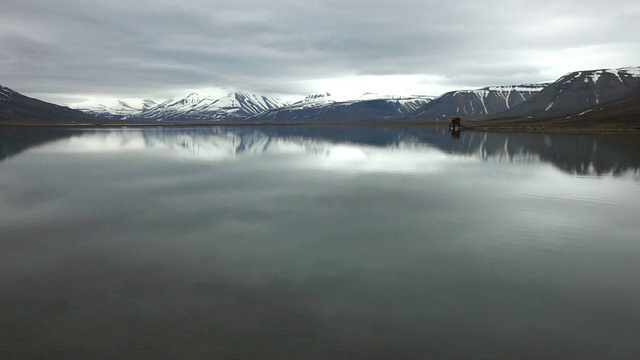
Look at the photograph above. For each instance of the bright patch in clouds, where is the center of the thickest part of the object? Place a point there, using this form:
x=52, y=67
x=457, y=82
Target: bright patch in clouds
x=355, y=86
x=76, y=50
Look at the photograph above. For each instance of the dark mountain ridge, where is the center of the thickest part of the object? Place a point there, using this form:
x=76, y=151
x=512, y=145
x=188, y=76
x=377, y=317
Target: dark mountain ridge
x=473, y=103
x=575, y=92
x=15, y=107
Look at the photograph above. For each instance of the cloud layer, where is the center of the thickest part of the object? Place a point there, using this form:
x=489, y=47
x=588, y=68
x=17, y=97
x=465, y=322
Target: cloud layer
x=69, y=49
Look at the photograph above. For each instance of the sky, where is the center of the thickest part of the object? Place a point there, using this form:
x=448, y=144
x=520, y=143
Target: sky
x=70, y=51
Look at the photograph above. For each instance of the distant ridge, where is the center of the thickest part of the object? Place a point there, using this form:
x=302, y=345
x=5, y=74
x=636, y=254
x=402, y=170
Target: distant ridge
x=580, y=97
x=316, y=108
x=234, y=106
x=119, y=109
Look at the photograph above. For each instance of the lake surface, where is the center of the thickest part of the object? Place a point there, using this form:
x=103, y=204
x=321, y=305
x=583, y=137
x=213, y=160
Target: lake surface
x=318, y=243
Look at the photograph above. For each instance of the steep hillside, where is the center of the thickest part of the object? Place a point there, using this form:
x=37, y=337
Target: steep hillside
x=623, y=113
x=473, y=103
x=15, y=107
x=576, y=92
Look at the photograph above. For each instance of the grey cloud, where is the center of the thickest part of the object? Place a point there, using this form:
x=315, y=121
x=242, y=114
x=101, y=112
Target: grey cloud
x=130, y=49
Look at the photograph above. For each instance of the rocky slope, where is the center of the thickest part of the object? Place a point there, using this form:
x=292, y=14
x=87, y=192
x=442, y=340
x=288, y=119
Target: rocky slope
x=15, y=107
x=473, y=103
x=621, y=114
x=576, y=92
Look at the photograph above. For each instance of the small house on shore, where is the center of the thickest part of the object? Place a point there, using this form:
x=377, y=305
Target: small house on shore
x=455, y=124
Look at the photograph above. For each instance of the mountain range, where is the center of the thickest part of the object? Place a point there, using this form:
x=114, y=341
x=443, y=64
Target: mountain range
x=322, y=107
x=574, y=96
x=234, y=106
x=257, y=108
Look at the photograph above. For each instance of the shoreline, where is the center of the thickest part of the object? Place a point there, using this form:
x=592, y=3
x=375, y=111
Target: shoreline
x=553, y=130
x=523, y=128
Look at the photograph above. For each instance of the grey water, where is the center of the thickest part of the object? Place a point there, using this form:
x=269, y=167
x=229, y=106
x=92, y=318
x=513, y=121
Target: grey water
x=315, y=242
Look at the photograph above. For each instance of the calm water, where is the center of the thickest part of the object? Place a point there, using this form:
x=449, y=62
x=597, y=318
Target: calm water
x=318, y=243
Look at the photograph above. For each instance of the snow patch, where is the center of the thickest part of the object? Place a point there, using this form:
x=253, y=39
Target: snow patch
x=549, y=106
x=633, y=71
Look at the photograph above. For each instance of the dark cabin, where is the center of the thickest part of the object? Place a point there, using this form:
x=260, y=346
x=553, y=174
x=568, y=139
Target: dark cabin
x=455, y=124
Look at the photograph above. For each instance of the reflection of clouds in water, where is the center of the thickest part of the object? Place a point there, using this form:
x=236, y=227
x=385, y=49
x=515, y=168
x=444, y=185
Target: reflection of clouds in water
x=102, y=142
x=346, y=153
x=364, y=148
x=352, y=239
x=401, y=159
x=405, y=156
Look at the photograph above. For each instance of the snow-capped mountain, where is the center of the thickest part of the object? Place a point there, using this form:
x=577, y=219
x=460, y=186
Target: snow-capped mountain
x=317, y=98
x=405, y=104
x=113, y=109
x=322, y=107
x=174, y=107
x=578, y=91
x=237, y=105
x=484, y=101
x=119, y=109
x=148, y=104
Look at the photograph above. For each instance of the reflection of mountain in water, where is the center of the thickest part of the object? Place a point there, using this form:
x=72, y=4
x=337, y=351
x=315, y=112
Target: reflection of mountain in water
x=572, y=153
x=14, y=140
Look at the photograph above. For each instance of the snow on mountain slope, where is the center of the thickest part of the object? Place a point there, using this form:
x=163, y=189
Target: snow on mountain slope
x=318, y=97
x=237, y=105
x=404, y=104
x=148, y=104
x=484, y=101
x=117, y=108
x=322, y=107
x=595, y=75
x=113, y=109
x=246, y=103
x=6, y=93
x=577, y=91
x=316, y=100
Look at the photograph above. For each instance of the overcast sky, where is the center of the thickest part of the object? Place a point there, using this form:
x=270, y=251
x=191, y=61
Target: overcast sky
x=66, y=51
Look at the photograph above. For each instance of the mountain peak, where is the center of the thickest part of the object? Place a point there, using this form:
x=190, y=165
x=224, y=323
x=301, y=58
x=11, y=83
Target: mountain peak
x=369, y=96
x=124, y=104
x=234, y=105
x=192, y=98
x=242, y=94
x=319, y=96
x=148, y=104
